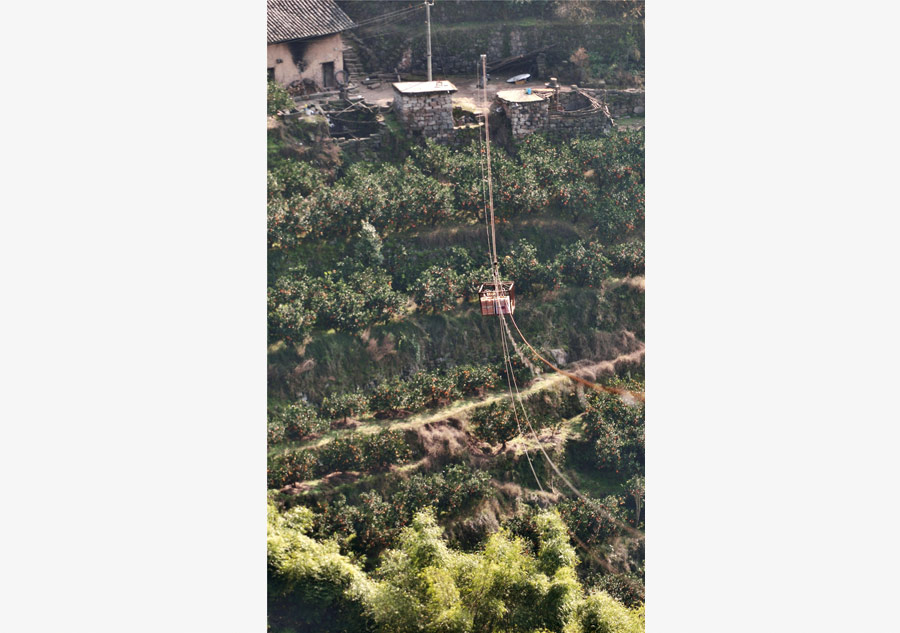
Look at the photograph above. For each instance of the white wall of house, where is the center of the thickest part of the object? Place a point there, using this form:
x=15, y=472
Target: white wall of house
x=318, y=51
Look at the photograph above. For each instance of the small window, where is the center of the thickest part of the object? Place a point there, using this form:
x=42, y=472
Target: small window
x=271, y=74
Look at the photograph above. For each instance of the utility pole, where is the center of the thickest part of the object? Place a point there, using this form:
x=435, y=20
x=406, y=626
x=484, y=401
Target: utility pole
x=487, y=143
x=428, y=22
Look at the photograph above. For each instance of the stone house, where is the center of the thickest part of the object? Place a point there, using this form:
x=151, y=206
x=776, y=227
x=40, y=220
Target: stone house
x=425, y=107
x=566, y=112
x=304, y=41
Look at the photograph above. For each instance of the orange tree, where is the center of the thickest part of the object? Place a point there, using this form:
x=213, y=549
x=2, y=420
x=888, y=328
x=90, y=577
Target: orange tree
x=494, y=423
x=617, y=430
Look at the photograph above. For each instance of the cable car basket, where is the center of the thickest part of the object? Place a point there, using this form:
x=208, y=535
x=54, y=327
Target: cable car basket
x=496, y=301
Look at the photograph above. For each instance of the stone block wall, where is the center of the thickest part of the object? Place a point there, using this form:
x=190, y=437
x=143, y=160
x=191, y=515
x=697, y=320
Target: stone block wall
x=564, y=124
x=429, y=114
x=526, y=118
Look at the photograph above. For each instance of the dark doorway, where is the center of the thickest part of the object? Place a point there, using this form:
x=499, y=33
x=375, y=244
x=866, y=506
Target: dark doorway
x=328, y=75
x=271, y=74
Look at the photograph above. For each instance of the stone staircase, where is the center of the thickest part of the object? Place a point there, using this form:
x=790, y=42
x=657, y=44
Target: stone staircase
x=352, y=65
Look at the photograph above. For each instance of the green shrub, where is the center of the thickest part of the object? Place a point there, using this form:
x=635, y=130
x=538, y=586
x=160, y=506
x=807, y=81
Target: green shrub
x=287, y=222
x=294, y=177
x=617, y=430
x=361, y=300
x=373, y=523
x=594, y=522
x=275, y=433
x=395, y=397
x=384, y=449
x=522, y=266
x=438, y=289
x=277, y=98
x=369, y=453
x=417, y=200
x=550, y=408
x=461, y=168
x=494, y=423
x=290, y=317
x=291, y=467
x=627, y=258
x=345, y=405
x=437, y=389
x=311, y=586
x=626, y=588
x=342, y=454
x=301, y=421
x=474, y=380
x=601, y=613
x=521, y=372
x=449, y=493
x=583, y=264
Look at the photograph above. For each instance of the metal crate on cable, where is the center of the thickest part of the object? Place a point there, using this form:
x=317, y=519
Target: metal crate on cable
x=497, y=300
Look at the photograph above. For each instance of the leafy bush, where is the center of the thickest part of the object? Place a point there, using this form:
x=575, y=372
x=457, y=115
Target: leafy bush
x=499, y=588
x=301, y=421
x=626, y=588
x=275, y=433
x=345, y=405
x=374, y=523
x=383, y=449
x=417, y=200
x=621, y=210
x=583, y=264
x=521, y=372
x=361, y=300
x=438, y=289
x=600, y=612
x=494, y=423
x=291, y=467
x=461, y=168
x=277, y=98
x=364, y=250
x=294, y=177
x=311, y=586
x=394, y=397
x=550, y=408
x=618, y=432
x=290, y=317
x=287, y=222
x=342, y=454
x=436, y=389
x=628, y=258
x=474, y=380
x=594, y=522
x=457, y=488
x=369, y=453
x=523, y=266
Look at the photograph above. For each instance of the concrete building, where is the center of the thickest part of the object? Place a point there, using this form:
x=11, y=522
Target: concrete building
x=304, y=41
x=425, y=107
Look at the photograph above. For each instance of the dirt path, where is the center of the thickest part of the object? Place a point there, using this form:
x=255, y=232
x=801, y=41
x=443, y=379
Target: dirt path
x=585, y=369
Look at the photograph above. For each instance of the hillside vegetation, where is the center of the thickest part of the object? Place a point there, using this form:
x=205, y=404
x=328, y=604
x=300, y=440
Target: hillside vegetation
x=404, y=494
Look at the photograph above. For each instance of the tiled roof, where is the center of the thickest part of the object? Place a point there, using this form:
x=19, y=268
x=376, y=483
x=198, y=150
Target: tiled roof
x=300, y=19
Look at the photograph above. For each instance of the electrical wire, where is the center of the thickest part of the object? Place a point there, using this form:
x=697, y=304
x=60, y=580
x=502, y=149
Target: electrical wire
x=385, y=16
x=511, y=380
x=587, y=383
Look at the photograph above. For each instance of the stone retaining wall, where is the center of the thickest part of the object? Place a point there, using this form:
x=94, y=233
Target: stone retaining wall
x=622, y=103
x=564, y=124
x=526, y=118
